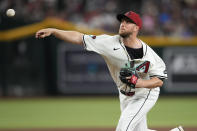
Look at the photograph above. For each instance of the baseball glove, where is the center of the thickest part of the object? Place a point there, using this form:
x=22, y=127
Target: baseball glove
x=129, y=76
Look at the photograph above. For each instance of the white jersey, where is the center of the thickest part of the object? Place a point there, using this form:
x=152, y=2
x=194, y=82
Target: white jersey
x=115, y=55
x=150, y=65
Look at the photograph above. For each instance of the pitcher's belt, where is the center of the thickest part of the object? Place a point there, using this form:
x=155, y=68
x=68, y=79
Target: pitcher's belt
x=127, y=93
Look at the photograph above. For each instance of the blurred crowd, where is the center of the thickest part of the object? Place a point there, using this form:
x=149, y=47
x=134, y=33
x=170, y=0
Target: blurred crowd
x=160, y=17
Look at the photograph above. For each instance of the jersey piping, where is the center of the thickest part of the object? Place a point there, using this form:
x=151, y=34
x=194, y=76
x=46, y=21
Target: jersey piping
x=128, y=57
x=159, y=76
x=146, y=51
x=84, y=43
x=143, y=44
x=139, y=110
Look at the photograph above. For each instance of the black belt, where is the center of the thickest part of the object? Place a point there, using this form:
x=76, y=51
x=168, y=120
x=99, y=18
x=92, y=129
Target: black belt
x=127, y=93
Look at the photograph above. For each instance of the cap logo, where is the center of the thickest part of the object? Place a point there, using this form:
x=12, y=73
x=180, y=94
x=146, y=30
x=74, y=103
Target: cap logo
x=129, y=13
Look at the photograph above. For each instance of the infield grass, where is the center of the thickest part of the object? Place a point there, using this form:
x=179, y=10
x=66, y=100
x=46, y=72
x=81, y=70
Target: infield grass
x=76, y=112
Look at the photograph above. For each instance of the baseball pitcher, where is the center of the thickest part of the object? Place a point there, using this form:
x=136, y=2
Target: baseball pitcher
x=135, y=68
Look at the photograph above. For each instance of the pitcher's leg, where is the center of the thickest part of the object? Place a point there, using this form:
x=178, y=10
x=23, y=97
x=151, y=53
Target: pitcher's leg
x=134, y=113
x=142, y=125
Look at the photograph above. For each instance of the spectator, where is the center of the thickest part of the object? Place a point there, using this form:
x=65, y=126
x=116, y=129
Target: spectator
x=165, y=17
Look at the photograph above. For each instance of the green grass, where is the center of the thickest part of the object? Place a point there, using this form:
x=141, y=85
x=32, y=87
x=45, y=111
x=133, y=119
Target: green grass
x=90, y=112
x=64, y=112
x=174, y=111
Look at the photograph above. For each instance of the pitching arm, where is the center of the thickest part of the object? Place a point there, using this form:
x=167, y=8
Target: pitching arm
x=73, y=37
x=152, y=83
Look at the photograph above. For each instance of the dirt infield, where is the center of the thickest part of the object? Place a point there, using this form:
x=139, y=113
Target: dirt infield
x=92, y=129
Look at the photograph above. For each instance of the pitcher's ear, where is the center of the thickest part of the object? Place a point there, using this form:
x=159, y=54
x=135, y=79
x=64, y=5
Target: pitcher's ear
x=137, y=28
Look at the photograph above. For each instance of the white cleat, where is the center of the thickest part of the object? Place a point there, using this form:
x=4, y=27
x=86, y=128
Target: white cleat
x=180, y=128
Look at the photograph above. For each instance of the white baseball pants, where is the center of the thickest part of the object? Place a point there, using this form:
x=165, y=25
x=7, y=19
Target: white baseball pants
x=133, y=116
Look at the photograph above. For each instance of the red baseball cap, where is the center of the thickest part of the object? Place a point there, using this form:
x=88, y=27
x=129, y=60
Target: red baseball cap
x=134, y=17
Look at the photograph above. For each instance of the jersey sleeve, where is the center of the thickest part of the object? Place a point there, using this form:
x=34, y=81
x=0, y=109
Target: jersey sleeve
x=158, y=69
x=95, y=43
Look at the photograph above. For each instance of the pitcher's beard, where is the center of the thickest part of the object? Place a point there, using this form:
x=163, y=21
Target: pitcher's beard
x=125, y=35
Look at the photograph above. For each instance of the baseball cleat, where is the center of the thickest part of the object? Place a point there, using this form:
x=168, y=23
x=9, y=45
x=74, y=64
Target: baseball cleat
x=180, y=128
